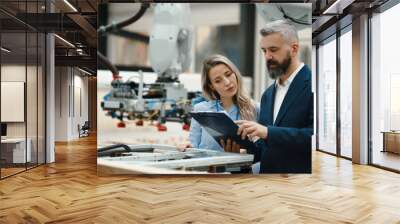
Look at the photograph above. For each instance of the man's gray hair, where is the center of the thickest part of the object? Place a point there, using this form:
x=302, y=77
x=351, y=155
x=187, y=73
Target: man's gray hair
x=283, y=27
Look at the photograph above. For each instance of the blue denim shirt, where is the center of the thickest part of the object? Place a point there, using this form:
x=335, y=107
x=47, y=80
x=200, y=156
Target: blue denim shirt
x=199, y=137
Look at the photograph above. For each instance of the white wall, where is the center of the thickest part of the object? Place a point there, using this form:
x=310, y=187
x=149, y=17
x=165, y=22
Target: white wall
x=71, y=102
x=61, y=103
x=14, y=73
x=33, y=105
x=80, y=108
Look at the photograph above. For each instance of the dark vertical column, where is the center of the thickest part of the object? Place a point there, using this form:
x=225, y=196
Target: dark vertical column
x=247, y=32
x=1, y=163
x=69, y=91
x=73, y=92
x=317, y=97
x=26, y=86
x=37, y=89
x=338, y=98
x=92, y=103
x=102, y=19
x=369, y=96
x=44, y=71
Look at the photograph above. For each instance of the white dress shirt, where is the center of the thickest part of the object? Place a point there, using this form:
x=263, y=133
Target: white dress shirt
x=281, y=90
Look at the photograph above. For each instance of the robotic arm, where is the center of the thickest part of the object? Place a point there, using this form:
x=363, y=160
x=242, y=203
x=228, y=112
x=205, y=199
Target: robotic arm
x=169, y=54
x=170, y=41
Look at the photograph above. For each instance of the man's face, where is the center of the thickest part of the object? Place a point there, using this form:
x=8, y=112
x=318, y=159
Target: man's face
x=278, y=54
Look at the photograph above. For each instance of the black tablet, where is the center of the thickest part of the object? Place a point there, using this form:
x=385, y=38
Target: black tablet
x=220, y=125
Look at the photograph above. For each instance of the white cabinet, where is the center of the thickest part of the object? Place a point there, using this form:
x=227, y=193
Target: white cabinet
x=15, y=148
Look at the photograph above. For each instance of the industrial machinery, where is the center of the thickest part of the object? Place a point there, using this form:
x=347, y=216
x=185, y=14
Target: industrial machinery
x=169, y=52
x=165, y=159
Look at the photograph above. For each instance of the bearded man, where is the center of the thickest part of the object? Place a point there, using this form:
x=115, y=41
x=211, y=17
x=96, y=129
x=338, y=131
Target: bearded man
x=285, y=126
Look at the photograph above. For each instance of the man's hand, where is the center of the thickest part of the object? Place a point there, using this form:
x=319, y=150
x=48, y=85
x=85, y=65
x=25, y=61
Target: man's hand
x=251, y=129
x=230, y=146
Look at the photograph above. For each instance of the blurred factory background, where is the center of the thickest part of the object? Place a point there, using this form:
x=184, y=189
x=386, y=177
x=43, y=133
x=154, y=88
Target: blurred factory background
x=234, y=33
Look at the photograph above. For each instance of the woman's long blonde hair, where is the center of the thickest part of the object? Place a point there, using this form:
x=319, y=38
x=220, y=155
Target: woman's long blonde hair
x=245, y=104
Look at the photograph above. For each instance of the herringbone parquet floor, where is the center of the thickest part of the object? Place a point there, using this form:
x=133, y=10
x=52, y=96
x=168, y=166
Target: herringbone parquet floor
x=70, y=191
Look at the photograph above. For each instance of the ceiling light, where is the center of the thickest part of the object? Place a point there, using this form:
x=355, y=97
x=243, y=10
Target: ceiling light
x=5, y=50
x=331, y=7
x=65, y=41
x=79, y=51
x=84, y=71
x=70, y=5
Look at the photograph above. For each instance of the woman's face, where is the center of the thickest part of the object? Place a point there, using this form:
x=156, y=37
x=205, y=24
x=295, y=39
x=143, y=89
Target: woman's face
x=223, y=80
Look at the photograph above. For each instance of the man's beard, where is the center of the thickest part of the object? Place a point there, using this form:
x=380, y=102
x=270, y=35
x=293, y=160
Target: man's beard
x=280, y=68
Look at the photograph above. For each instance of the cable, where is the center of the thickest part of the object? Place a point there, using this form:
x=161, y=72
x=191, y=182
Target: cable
x=109, y=150
x=114, y=26
x=120, y=25
x=104, y=60
x=293, y=19
x=118, y=149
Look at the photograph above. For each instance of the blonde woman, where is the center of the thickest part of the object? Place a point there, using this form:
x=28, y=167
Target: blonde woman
x=222, y=86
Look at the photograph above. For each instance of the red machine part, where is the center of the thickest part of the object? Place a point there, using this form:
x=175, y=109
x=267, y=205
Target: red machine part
x=185, y=127
x=139, y=123
x=161, y=127
x=121, y=125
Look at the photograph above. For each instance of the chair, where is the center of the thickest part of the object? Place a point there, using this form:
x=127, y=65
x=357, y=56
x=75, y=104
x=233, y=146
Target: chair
x=84, y=130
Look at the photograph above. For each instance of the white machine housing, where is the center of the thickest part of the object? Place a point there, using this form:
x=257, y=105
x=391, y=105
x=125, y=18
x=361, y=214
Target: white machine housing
x=170, y=39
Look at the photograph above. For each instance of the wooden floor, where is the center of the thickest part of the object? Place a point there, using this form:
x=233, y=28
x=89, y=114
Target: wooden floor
x=70, y=191
x=10, y=171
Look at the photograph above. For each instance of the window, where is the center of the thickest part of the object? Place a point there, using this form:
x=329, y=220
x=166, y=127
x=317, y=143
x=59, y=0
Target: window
x=385, y=86
x=346, y=93
x=22, y=74
x=327, y=96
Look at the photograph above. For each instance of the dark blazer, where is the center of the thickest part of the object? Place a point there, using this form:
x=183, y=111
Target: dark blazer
x=287, y=148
